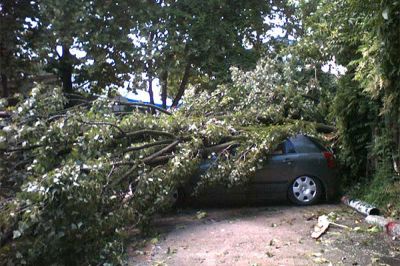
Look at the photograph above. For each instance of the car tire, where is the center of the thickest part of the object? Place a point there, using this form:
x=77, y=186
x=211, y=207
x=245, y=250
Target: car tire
x=177, y=197
x=305, y=190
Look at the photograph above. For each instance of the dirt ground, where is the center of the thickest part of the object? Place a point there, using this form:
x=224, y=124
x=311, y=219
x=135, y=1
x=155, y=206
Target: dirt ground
x=273, y=235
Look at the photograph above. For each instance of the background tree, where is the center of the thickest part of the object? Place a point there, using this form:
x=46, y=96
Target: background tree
x=364, y=38
x=17, y=41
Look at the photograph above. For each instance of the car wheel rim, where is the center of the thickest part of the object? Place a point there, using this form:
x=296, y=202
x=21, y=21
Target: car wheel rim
x=304, y=189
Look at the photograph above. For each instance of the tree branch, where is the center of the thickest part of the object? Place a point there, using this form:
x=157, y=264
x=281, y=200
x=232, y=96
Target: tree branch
x=161, y=152
x=182, y=86
x=160, y=159
x=149, y=132
x=220, y=147
x=4, y=114
x=95, y=123
x=162, y=110
x=324, y=128
x=148, y=145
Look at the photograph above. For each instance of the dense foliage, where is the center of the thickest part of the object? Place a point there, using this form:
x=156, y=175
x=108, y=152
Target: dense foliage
x=363, y=37
x=76, y=174
x=80, y=177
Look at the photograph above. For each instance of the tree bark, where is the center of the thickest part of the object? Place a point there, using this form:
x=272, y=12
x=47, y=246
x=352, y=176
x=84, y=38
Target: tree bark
x=4, y=85
x=151, y=94
x=66, y=68
x=149, y=67
x=164, y=88
x=183, y=84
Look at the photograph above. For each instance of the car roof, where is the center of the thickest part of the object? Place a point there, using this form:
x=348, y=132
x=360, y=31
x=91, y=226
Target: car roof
x=306, y=144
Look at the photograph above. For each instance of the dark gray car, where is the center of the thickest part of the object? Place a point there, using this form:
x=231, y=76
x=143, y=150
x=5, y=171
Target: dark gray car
x=300, y=169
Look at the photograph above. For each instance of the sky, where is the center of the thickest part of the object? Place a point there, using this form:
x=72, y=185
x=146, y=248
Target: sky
x=143, y=96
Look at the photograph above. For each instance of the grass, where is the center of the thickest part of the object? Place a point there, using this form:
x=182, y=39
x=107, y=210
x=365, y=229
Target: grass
x=382, y=190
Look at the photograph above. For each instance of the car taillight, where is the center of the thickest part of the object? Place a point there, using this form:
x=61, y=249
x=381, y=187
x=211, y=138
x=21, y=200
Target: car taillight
x=330, y=159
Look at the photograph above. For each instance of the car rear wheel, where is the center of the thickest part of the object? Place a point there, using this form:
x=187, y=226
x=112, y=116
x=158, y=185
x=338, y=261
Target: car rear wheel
x=305, y=190
x=176, y=197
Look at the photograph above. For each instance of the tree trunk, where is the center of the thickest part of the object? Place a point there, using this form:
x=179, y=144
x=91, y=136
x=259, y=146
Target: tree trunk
x=150, y=80
x=396, y=142
x=164, y=88
x=183, y=84
x=150, y=66
x=65, y=69
x=151, y=94
x=4, y=85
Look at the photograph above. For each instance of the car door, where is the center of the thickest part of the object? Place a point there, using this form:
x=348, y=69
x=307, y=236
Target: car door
x=219, y=194
x=271, y=181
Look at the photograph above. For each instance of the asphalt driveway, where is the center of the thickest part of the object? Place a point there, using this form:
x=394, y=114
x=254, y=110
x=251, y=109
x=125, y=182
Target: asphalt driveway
x=273, y=235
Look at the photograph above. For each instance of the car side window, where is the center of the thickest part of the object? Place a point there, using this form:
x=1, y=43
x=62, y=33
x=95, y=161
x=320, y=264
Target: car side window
x=279, y=150
x=289, y=147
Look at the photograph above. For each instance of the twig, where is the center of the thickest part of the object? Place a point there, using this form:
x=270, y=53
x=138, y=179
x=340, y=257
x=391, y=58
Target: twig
x=54, y=117
x=130, y=171
x=108, y=180
x=124, y=163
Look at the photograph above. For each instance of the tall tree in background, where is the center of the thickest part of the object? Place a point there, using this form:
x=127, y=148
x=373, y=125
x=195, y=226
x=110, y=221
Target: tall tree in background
x=198, y=41
x=17, y=34
x=61, y=28
x=87, y=43
x=98, y=45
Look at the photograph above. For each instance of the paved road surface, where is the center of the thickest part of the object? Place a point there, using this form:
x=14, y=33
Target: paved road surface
x=273, y=235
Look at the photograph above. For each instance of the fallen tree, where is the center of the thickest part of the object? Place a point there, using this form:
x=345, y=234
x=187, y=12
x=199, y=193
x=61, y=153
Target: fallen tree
x=80, y=177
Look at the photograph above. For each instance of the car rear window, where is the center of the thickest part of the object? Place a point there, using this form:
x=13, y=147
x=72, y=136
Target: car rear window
x=317, y=143
x=303, y=144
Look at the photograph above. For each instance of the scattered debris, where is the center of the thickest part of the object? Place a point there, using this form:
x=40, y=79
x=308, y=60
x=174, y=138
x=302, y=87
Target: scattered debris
x=154, y=240
x=318, y=254
x=171, y=251
x=269, y=254
x=376, y=220
x=310, y=216
x=318, y=259
x=200, y=215
x=374, y=229
x=360, y=206
x=273, y=242
x=322, y=226
x=392, y=228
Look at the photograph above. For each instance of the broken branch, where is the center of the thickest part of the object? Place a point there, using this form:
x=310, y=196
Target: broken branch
x=161, y=152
